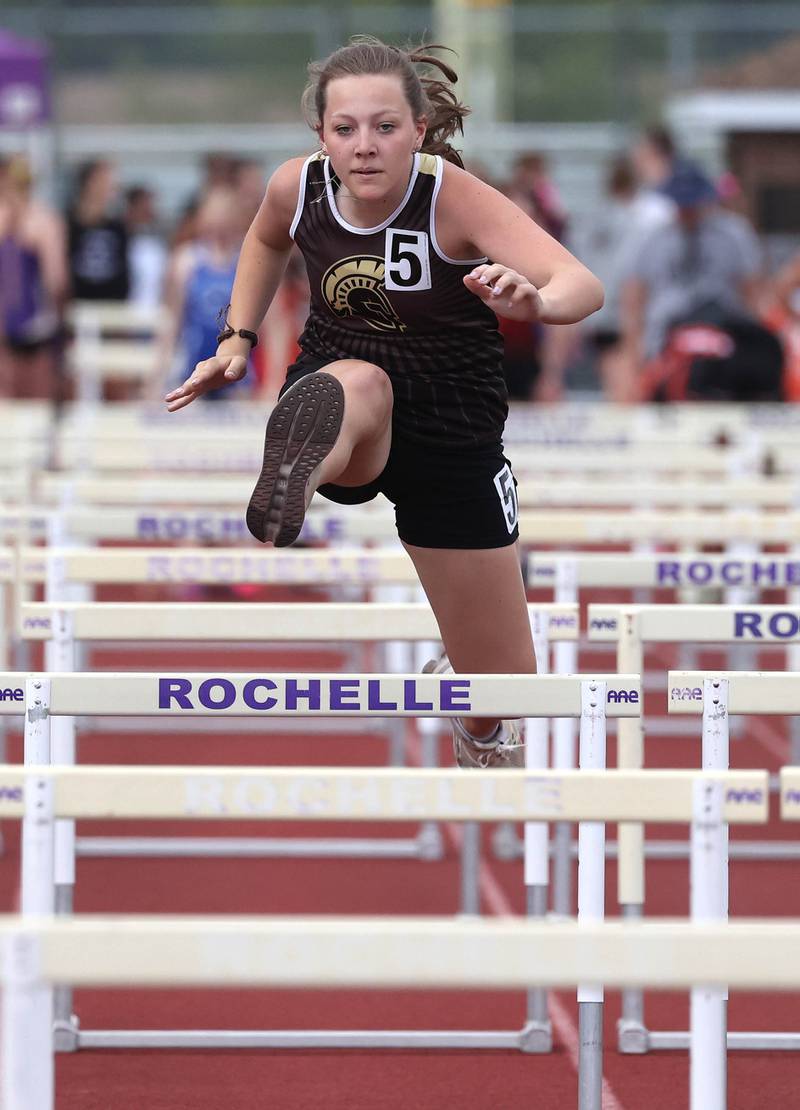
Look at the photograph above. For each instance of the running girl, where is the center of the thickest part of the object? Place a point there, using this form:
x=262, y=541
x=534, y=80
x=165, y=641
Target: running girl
x=399, y=387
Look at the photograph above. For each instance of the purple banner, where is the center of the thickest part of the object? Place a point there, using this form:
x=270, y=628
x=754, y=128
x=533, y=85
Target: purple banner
x=24, y=86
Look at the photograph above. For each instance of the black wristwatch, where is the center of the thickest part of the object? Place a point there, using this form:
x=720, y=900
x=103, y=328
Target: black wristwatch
x=228, y=332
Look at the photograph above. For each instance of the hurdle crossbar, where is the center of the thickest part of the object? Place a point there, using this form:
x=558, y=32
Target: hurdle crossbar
x=279, y=622
x=554, y=527
x=307, y=695
x=408, y=951
x=670, y=571
x=368, y=794
x=762, y=692
x=719, y=624
x=790, y=793
x=339, y=565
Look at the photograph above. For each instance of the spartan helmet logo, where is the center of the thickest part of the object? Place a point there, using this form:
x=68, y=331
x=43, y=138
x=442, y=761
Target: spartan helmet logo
x=354, y=287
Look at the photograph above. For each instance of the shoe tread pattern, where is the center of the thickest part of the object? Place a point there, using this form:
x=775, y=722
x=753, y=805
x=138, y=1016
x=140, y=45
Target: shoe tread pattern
x=301, y=431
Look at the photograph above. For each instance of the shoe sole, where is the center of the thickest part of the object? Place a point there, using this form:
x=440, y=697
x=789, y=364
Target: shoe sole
x=301, y=432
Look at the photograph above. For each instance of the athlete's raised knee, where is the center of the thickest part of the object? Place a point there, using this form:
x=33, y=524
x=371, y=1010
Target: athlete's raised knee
x=364, y=380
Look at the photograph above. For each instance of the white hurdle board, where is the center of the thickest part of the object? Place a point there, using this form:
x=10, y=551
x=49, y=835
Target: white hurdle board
x=385, y=794
x=120, y=694
x=277, y=622
x=666, y=571
x=558, y=527
x=352, y=951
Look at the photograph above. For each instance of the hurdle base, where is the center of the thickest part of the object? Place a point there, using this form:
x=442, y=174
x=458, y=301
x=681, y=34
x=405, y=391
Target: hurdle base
x=536, y=1038
x=67, y=1034
x=633, y=1038
x=427, y=846
x=664, y=1041
x=301, y=1039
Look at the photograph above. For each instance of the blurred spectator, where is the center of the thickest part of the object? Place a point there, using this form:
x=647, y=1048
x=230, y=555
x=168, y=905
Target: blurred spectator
x=702, y=269
x=783, y=316
x=98, y=238
x=33, y=286
x=522, y=340
x=627, y=215
x=531, y=179
x=219, y=169
x=249, y=183
x=147, y=253
x=654, y=157
x=198, y=287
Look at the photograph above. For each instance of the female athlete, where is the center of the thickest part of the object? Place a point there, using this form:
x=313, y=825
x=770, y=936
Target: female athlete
x=398, y=387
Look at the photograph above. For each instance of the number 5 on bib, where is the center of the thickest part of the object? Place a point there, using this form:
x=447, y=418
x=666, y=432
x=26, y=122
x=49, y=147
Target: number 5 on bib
x=504, y=484
x=407, y=264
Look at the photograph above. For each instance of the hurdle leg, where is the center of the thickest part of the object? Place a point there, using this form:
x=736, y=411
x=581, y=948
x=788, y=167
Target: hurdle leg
x=632, y=1035
x=27, y=1077
x=566, y=662
x=60, y=657
x=793, y=664
x=708, y=1037
x=591, y=898
x=429, y=838
x=537, y=1033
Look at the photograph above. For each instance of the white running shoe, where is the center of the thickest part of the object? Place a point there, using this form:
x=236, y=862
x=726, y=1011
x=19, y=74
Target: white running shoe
x=503, y=748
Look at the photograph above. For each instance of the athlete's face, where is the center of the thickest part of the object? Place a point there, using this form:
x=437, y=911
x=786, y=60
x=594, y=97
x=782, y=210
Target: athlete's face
x=370, y=133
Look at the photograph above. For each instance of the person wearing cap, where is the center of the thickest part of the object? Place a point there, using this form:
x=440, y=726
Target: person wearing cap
x=704, y=260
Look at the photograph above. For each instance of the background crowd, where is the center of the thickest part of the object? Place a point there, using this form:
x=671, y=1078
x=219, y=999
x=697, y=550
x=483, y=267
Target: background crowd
x=690, y=308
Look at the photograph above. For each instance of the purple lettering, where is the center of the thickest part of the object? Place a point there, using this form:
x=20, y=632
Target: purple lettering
x=453, y=688
x=374, y=702
x=147, y=527
x=249, y=693
x=745, y=623
x=177, y=688
x=342, y=688
x=699, y=573
x=732, y=573
x=792, y=574
x=158, y=568
x=765, y=570
x=410, y=696
x=667, y=572
x=312, y=694
x=204, y=693
x=783, y=625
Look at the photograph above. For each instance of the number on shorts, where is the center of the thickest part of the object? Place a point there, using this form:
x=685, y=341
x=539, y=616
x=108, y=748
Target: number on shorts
x=407, y=264
x=504, y=484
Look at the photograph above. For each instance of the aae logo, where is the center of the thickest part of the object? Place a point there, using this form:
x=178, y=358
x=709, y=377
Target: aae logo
x=10, y=793
x=686, y=693
x=746, y=797
x=604, y=624
x=629, y=696
x=12, y=695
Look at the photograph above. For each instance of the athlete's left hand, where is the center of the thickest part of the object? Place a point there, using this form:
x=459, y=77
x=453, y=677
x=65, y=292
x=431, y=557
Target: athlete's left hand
x=506, y=292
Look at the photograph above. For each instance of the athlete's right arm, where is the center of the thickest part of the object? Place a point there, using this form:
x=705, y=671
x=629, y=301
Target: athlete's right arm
x=262, y=261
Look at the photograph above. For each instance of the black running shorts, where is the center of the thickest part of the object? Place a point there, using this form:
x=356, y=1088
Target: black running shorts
x=465, y=499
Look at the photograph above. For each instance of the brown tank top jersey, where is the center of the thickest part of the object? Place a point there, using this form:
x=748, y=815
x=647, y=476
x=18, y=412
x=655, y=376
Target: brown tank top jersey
x=389, y=295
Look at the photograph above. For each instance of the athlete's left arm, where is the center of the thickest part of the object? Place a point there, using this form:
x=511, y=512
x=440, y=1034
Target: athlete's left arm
x=530, y=275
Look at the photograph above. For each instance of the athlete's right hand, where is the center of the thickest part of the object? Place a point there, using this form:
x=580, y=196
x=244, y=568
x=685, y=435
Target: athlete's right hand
x=211, y=374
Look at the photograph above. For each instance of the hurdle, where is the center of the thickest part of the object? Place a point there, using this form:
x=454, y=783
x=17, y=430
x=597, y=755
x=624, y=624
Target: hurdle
x=64, y=625
x=723, y=693
x=632, y=627
x=593, y=699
